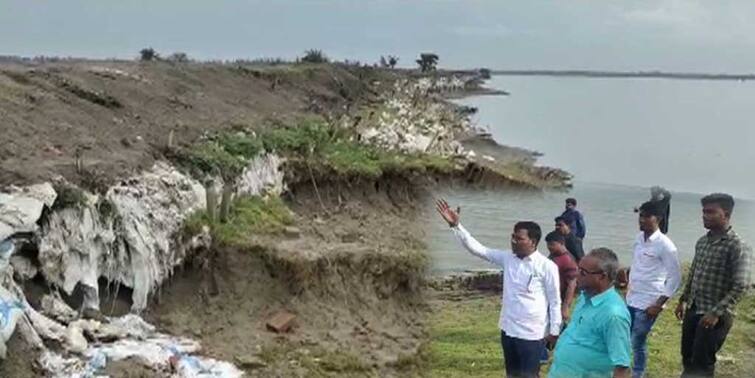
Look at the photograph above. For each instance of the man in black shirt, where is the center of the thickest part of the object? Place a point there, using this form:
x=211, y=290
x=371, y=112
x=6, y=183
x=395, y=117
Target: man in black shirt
x=573, y=244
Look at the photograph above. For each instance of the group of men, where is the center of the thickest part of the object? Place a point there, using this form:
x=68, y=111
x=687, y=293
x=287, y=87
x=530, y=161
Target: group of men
x=604, y=334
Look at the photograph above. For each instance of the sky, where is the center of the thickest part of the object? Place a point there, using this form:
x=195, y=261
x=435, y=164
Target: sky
x=674, y=35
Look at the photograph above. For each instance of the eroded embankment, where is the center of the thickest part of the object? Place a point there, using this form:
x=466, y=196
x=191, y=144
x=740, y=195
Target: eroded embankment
x=340, y=249
x=349, y=265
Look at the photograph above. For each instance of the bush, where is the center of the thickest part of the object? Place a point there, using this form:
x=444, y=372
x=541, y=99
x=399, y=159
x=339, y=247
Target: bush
x=427, y=62
x=306, y=138
x=179, y=57
x=392, y=61
x=224, y=154
x=212, y=159
x=148, y=54
x=314, y=56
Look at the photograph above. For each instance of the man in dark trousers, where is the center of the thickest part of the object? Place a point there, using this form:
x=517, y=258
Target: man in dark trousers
x=572, y=243
x=574, y=218
x=531, y=301
x=719, y=276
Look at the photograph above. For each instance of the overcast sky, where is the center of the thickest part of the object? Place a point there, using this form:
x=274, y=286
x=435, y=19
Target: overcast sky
x=680, y=35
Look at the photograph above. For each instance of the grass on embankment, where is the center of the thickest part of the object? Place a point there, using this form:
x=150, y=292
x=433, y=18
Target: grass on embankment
x=312, y=143
x=248, y=215
x=465, y=341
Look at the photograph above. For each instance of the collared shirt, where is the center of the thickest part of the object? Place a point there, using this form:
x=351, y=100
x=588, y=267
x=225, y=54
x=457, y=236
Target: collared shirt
x=719, y=275
x=596, y=340
x=530, y=300
x=567, y=271
x=655, y=270
x=576, y=222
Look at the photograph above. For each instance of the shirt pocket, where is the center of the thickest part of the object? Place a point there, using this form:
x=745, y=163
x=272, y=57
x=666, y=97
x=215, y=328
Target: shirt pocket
x=536, y=284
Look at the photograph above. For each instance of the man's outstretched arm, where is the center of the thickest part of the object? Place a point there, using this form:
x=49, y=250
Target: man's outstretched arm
x=465, y=238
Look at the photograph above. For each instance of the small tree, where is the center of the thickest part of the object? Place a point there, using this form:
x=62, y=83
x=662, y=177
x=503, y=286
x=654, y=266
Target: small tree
x=179, y=57
x=383, y=62
x=148, y=54
x=484, y=73
x=392, y=61
x=427, y=62
x=314, y=56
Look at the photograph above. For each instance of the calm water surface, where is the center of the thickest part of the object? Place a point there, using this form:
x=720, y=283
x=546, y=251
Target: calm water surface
x=689, y=136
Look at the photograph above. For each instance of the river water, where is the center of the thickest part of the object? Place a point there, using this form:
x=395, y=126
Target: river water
x=618, y=136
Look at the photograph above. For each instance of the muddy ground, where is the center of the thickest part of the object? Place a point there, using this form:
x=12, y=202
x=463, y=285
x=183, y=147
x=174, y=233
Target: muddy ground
x=118, y=115
x=353, y=276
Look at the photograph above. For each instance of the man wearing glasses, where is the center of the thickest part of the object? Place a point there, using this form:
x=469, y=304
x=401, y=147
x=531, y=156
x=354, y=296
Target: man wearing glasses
x=596, y=342
x=531, y=297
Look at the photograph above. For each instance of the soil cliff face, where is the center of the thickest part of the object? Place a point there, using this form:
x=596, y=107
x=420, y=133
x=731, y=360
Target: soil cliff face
x=195, y=195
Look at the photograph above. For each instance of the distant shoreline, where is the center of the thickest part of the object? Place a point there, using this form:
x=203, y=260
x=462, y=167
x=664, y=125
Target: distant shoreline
x=625, y=74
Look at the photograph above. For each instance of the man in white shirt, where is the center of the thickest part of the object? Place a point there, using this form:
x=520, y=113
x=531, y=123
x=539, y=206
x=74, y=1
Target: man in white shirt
x=531, y=297
x=654, y=277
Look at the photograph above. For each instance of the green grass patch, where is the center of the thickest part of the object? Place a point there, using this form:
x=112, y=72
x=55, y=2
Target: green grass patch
x=312, y=142
x=323, y=146
x=317, y=361
x=248, y=216
x=465, y=341
x=225, y=155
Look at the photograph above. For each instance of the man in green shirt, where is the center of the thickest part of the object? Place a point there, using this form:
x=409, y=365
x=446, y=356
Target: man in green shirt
x=719, y=276
x=596, y=341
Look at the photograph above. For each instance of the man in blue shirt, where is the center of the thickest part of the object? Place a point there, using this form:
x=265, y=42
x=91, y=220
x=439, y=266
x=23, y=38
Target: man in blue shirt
x=574, y=218
x=596, y=341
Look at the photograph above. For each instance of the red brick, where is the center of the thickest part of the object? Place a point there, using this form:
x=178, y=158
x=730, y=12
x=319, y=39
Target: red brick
x=281, y=321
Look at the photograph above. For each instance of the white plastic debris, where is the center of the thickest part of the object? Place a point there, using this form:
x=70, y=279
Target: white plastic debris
x=140, y=344
x=20, y=208
x=407, y=124
x=262, y=176
x=74, y=339
x=23, y=267
x=82, y=245
x=10, y=311
x=54, y=307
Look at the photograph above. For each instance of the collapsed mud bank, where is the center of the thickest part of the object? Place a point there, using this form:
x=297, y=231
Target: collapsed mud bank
x=236, y=224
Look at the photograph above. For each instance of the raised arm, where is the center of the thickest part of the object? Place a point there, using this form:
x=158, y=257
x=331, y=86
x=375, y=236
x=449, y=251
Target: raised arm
x=465, y=238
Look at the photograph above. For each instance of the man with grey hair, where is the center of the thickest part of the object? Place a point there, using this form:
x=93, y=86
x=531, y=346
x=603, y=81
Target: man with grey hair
x=596, y=341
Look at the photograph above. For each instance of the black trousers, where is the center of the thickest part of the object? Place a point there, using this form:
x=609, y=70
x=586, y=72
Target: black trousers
x=700, y=345
x=521, y=357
